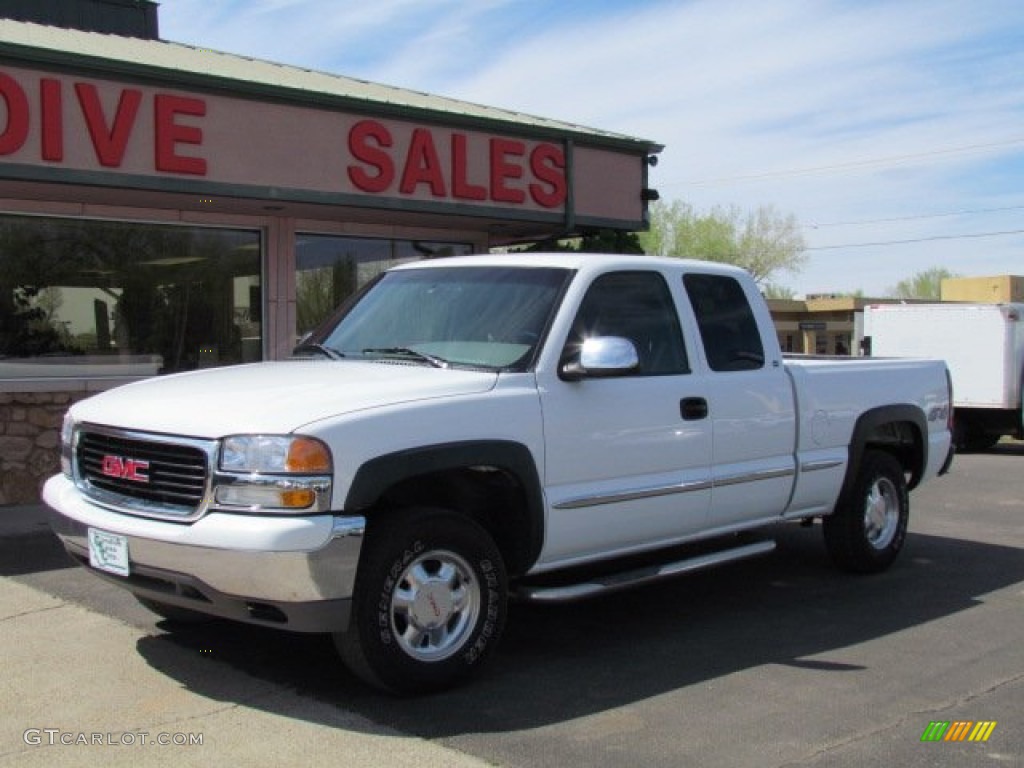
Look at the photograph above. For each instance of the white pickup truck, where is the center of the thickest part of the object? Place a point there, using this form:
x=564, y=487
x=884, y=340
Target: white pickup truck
x=466, y=430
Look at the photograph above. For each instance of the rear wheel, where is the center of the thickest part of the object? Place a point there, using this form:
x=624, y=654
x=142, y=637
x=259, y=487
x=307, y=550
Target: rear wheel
x=429, y=603
x=869, y=526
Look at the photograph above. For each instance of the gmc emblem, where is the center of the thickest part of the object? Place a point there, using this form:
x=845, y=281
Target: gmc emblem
x=135, y=470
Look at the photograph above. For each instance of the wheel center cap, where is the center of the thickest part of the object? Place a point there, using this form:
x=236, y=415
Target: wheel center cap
x=433, y=605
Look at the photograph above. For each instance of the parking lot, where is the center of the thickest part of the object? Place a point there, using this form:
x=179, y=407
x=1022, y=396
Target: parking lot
x=778, y=661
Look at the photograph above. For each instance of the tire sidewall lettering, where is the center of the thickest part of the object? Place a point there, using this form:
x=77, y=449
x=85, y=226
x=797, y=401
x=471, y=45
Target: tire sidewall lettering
x=383, y=624
x=489, y=626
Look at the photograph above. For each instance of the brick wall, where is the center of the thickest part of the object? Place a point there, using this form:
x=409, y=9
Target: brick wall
x=30, y=442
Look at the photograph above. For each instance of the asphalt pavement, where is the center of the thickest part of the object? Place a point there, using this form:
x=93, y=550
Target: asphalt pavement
x=772, y=662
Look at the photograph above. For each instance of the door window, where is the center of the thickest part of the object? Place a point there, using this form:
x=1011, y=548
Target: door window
x=636, y=306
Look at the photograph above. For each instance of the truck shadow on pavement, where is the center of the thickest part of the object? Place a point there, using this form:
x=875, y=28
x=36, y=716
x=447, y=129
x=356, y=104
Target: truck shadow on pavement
x=558, y=663
x=1007, y=448
x=32, y=553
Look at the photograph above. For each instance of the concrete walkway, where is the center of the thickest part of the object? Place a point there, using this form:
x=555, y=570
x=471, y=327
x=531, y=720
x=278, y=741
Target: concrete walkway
x=74, y=691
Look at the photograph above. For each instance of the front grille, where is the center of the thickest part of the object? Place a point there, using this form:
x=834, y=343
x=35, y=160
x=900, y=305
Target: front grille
x=170, y=477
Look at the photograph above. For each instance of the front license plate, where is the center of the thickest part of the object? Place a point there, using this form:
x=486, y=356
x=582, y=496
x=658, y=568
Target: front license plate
x=108, y=552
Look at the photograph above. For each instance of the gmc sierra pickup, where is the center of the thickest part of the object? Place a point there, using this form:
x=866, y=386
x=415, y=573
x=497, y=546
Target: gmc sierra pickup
x=466, y=430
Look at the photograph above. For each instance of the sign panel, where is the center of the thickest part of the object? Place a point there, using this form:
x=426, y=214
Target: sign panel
x=165, y=137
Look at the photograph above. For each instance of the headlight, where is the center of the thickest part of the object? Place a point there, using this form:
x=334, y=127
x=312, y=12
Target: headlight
x=67, y=433
x=274, y=473
x=275, y=454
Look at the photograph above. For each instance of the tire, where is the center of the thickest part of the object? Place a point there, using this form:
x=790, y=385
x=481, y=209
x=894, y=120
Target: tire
x=173, y=613
x=868, y=528
x=430, y=602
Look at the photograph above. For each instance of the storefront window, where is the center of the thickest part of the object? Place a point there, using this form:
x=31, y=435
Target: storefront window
x=98, y=298
x=331, y=268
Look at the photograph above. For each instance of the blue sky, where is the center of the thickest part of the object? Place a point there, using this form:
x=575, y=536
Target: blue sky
x=893, y=130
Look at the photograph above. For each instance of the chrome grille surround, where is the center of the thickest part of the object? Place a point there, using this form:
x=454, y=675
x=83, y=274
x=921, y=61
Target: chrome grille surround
x=180, y=472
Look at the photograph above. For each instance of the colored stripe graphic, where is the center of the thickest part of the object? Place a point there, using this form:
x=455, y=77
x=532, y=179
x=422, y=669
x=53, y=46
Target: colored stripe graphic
x=935, y=731
x=958, y=730
x=982, y=731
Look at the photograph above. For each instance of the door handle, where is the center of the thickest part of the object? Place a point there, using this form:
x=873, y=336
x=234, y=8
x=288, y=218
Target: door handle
x=693, y=408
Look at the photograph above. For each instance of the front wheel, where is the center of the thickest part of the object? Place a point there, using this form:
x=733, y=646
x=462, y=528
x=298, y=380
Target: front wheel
x=429, y=603
x=869, y=526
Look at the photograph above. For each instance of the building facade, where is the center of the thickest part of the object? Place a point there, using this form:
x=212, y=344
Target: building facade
x=822, y=325
x=834, y=325
x=165, y=208
x=998, y=289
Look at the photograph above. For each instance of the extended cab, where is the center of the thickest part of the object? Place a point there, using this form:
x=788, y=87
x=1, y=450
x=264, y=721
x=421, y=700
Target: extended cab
x=469, y=429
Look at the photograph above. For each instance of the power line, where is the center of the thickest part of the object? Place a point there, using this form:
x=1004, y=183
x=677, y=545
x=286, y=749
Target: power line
x=915, y=240
x=915, y=217
x=850, y=166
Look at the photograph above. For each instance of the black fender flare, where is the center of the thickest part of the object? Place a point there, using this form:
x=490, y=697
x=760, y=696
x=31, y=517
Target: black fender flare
x=865, y=428
x=379, y=474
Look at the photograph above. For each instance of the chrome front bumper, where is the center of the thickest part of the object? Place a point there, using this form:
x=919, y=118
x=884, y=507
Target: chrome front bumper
x=295, y=573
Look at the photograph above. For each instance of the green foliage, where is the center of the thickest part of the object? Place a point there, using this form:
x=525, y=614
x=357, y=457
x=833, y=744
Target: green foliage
x=598, y=241
x=319, y=291
x=764, y=242
x=922, y=285
x=773, y=291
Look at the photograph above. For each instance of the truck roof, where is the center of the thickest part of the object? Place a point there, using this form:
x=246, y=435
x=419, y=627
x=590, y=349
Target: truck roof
x=576, y=261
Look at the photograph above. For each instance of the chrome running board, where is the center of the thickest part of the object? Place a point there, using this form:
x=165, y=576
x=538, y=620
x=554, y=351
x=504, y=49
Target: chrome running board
x=602, y=585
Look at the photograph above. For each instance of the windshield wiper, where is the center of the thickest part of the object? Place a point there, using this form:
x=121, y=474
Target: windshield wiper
x=313, y=346
x=434, y=360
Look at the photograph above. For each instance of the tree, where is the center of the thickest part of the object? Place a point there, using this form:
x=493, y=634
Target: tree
x=773, y=291
x=598, y=241
x=764, y=242
x=922, y=285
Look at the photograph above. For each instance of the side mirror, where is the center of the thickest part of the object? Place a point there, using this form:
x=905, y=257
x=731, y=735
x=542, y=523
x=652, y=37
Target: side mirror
x=602, y=357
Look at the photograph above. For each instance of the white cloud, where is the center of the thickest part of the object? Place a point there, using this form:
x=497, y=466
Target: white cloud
x=734, y=89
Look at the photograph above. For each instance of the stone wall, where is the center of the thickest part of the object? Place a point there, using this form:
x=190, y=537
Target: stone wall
x=30, y=442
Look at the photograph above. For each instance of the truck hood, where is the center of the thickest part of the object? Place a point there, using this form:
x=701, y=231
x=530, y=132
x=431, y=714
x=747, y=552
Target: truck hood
x=270, y=398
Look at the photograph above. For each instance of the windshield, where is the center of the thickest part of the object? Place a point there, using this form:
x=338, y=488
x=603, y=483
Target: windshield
x=479, y=317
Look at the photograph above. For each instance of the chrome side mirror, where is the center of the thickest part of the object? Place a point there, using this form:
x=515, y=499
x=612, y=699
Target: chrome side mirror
x=602, y=356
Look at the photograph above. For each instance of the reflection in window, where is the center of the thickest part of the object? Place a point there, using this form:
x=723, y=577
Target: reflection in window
x=636, y=306
x=330, y=268
x=85, y=298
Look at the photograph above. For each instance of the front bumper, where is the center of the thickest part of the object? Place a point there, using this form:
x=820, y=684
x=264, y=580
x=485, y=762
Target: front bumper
x=295, y=573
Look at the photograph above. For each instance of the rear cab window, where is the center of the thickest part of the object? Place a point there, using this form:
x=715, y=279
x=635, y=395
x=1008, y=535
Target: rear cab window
x=728, y=328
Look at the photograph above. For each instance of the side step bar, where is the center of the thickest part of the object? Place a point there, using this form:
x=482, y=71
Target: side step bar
x=602, y=585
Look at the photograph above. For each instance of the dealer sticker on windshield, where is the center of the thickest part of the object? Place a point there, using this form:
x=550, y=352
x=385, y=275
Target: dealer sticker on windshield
x=108, y=552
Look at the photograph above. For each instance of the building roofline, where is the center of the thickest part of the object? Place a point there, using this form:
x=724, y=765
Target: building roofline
x=187, y=66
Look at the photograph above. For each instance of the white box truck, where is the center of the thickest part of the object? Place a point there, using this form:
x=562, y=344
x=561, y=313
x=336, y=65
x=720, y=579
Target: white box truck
x=983, y=346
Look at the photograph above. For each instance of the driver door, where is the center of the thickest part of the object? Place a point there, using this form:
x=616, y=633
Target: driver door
x=628, y=462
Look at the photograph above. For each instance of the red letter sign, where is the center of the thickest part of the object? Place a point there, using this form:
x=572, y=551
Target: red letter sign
x=52, y=100
x=461, y=187
x=422, y=165
x=109, y=141
x=358, y=144
x=548, y=165
x=16, y=131
x=502, y=170
x=170, y=133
